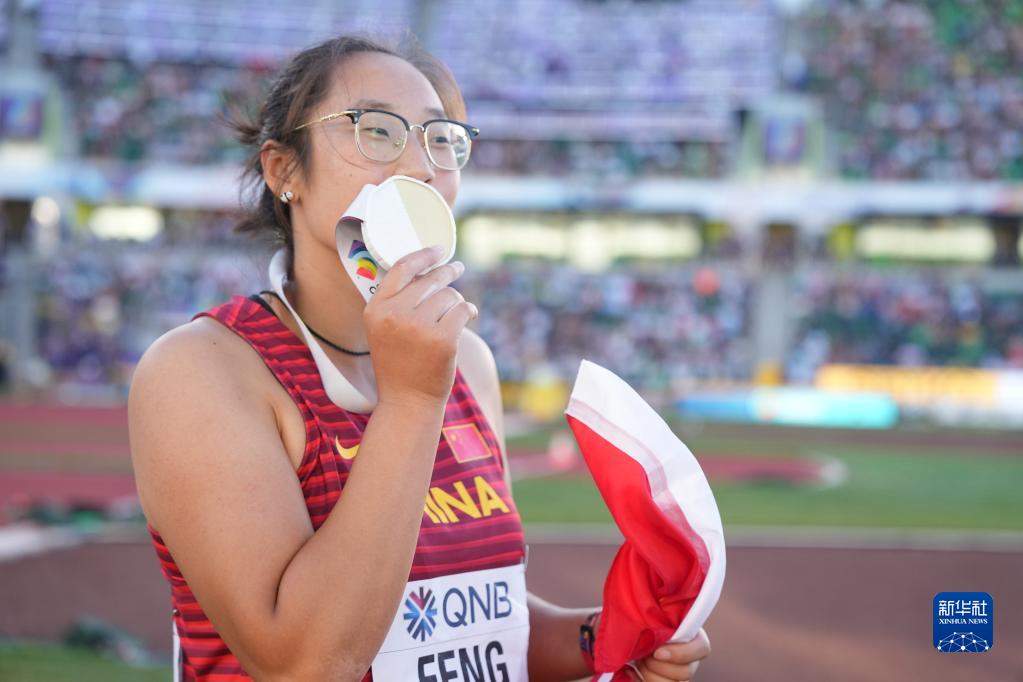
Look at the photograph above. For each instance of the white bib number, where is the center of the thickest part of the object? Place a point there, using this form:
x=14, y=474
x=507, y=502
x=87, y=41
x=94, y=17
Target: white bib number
x=466, y=627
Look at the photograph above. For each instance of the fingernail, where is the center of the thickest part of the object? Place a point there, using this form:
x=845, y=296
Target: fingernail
x=661, y=654
x=475, y=311
x=460, y=265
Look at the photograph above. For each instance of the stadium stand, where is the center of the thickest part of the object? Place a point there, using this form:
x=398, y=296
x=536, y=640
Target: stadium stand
x=672, y=97
x=910, y=317
x=3, y=24
x=556, y=94
x=924, y=90
x=194, y=31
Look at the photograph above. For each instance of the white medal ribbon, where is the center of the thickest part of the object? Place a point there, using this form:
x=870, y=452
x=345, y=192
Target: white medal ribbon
x=375, y=229
x=340, y=391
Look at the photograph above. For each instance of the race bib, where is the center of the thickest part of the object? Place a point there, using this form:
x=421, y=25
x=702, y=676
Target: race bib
x=470, y=626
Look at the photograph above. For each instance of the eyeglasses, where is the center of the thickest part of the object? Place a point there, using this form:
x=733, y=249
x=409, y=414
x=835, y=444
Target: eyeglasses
x=381, y=136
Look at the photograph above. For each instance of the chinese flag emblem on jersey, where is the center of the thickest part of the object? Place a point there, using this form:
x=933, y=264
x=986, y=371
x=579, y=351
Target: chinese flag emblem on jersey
x=466, y=442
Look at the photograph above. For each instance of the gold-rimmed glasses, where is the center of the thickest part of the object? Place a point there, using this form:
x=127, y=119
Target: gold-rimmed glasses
x=380, y=135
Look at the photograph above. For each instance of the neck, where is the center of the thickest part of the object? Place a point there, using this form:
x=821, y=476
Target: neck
x=326, y=298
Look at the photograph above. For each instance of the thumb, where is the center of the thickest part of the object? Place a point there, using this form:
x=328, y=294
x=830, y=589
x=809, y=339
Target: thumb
x=632, y=673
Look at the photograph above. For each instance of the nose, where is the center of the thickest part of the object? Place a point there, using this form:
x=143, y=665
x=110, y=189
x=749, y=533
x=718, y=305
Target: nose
x=414, y=161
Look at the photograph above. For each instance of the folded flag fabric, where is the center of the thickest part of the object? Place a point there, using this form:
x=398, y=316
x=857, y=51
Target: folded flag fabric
x=666, y=578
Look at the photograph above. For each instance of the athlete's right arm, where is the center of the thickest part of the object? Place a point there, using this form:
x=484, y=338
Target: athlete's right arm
x=215, y=481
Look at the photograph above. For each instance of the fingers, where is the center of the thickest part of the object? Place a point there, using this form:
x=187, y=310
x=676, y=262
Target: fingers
x=437, y=304
x=656, y=671
x=676, y=660
x=423, y=287
x=633, y=673
x=457, y=316
x=427, y=296
x=406, y=268
x=686, y=652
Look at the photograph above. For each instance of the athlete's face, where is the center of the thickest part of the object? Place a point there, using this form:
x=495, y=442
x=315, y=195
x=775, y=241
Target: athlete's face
x=337, y=169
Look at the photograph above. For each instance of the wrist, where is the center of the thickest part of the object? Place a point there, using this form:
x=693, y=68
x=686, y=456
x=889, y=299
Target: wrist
x=413, y=401
x=588, y=639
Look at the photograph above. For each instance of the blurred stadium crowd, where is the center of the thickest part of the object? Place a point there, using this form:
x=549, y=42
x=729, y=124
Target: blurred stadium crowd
x=100, y=308
x=917, y=319
x=155, y=99
x=909, y=90
x=917, y=89
x=659, y=327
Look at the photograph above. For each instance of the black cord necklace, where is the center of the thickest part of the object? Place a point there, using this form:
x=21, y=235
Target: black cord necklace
x=320, y=337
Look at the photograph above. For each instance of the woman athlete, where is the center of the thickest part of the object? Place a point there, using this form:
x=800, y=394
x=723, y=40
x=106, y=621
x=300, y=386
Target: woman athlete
x=415, y=571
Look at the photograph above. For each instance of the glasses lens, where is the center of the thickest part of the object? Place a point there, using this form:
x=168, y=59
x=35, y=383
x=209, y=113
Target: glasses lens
x=381, y=136
x=448, y=144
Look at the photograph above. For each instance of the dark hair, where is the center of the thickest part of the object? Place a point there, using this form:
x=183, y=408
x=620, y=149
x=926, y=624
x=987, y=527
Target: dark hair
x=294, y=93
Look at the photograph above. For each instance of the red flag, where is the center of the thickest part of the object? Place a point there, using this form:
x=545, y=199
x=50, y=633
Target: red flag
x=667, y=576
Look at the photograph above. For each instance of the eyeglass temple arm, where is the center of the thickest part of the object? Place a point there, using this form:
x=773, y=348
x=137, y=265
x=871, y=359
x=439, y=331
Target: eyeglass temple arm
x=473, y=130
x=328, y=117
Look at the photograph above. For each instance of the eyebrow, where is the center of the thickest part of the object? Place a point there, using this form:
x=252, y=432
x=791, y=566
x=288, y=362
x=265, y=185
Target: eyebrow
x=376, y=104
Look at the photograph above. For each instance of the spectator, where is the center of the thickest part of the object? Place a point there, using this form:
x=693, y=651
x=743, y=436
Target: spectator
x=918, y=318
x=916, y=90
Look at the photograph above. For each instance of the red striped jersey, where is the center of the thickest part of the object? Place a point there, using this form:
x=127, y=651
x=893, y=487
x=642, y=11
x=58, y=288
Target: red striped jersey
x=469, y=519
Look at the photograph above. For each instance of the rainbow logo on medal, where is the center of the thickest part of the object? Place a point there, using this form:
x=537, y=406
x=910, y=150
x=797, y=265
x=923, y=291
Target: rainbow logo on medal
x=365, y=266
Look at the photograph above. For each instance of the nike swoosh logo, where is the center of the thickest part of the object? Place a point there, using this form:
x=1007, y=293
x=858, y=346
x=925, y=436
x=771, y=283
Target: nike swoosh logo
x=343, y=452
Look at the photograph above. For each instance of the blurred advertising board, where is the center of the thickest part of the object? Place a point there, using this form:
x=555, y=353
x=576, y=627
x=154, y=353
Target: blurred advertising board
x=793, y=406
x=953, y=395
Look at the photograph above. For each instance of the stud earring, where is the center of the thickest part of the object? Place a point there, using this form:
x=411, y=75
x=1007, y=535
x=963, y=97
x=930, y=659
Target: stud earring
x=286, y=196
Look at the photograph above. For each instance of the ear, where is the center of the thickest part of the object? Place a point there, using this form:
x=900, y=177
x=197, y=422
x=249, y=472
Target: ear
x=280, y=167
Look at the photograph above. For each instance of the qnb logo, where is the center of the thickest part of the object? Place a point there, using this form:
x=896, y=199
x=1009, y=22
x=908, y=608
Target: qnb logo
x=465, y=608
x=421, y=614
x=459, y=607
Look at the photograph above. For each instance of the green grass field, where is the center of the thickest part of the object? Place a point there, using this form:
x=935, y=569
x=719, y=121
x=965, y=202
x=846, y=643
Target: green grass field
x=892, y=482
x=949, y=480
x=29, y=662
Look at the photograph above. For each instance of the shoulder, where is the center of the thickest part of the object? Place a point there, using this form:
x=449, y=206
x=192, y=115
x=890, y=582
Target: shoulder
x=184, y=384
x=190, y=364
x=202, y=351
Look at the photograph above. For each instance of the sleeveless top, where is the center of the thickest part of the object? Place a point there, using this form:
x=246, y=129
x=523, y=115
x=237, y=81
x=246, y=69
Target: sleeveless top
x=469, y=519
